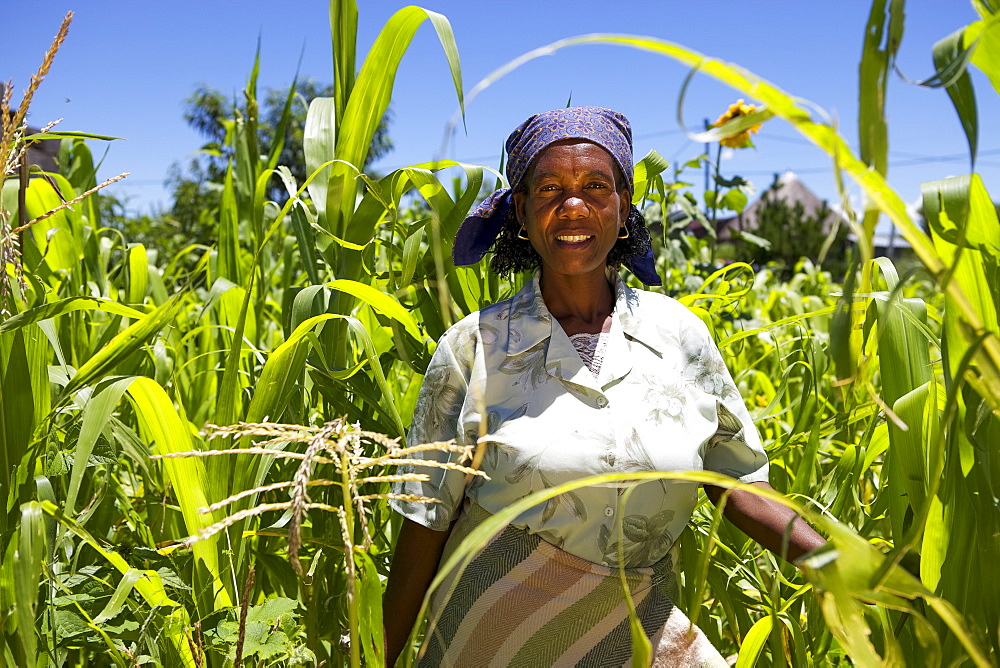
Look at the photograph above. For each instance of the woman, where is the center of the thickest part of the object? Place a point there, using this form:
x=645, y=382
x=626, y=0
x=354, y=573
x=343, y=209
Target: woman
x=579, y=375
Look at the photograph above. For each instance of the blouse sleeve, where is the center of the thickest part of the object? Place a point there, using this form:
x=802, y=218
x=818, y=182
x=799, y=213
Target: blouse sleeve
x=735, y=449
x=438, y=417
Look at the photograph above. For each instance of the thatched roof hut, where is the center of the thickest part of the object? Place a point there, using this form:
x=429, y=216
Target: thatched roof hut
x=787, y=188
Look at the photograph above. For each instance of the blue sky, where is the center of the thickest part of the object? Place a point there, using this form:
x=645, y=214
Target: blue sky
x=127, y=67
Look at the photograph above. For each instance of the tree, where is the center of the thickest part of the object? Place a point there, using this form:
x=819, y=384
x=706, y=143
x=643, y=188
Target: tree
x=211, y=114
x=197, y=186
x=792, y=232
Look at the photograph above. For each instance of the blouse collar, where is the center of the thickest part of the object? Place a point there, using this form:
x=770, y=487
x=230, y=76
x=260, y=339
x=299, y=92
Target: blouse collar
x=529, y=320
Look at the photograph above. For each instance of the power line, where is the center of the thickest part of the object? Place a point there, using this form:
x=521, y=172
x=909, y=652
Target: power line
x=903, y=154
x=661, y=133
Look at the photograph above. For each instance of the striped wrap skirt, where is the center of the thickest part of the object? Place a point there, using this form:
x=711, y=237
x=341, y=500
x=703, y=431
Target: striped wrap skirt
x=524, y=602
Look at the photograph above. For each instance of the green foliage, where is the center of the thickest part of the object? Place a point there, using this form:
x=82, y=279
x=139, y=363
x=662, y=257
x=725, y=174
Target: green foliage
x=210, y=113
x=879, y=407
x=271, y=635
x=792, y=232
x=197, y=187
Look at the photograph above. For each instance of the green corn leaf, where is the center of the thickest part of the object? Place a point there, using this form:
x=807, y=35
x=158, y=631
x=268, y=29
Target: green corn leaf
x=411, y=254
x=246, y=156
x=279, y=376
x=984, y=36
x=17, y=411
x=379, y=301
x=736, y=613
x=372, y=90
x=795, y=629
x=77, y=165
x=65, y=247
x=69, y=134
x=286, y=362
x=966, y=233
x=772, y=326
x=120, y=596
x=29, y=561
x=642, y=650
x=369, y=99
x=934, y=547
x=909, y=456
x=845, y=570
x=951, y=53
x=753, y=643
x=38, y=353
x=344, y=37
x=422, y=177
x=228, y=260
x=161, y=423
x=734, y=126
x=124, y=344
x=230, y=305
x=229, y=404
x=451, y=220
x=257, y=210
x=876, y=61
x=306, y=238
x=370, y=596
x=319, y=145
x=63, y=306
x=96, y=414
x=905, y=370
x=278, y=145
x=138, y=274
x=429, y=187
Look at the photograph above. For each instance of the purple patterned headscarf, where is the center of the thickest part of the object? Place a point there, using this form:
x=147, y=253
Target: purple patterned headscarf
x=608, y=129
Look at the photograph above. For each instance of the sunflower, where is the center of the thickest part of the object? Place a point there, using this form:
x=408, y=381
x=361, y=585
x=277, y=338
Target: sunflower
x=741, y=139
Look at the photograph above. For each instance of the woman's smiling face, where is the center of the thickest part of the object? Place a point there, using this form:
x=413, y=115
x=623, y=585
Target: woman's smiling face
x=571, y=209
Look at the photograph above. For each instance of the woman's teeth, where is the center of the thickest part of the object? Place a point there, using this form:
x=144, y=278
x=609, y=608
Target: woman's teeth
x=574, y=237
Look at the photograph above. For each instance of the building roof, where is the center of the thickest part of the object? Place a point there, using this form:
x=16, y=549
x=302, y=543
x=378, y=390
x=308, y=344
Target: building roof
x=43, y=152
x=788, y=189
x=791, y=191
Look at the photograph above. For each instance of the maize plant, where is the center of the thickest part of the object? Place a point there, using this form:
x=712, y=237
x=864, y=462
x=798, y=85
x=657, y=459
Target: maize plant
x=132, y=533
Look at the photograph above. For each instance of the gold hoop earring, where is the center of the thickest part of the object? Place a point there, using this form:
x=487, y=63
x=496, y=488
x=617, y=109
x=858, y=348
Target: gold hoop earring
x=521, y=234
x=623, y=236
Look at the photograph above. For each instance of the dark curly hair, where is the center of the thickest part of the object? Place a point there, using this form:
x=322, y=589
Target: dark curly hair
x=512, y=255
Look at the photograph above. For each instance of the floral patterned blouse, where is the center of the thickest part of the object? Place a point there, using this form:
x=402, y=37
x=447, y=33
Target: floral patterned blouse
x=663, y=400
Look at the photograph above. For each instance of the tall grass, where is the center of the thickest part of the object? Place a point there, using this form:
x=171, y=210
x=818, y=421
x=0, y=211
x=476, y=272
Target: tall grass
x=879, y=400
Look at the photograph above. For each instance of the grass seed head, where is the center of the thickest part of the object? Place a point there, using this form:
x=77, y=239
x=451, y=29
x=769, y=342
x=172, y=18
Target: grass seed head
x=341, y=445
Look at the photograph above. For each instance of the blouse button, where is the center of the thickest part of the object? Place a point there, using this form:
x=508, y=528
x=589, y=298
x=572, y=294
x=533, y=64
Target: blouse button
x=608, y=511
x=602, y=402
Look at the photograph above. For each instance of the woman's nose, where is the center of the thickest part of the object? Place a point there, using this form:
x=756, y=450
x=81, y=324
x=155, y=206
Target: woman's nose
x=574, y=207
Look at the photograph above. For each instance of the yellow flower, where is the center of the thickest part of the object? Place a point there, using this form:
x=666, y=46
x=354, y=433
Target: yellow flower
x=741, y=139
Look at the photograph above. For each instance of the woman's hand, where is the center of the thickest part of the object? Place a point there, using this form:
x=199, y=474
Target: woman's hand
x=766, y=521
x=414, y=563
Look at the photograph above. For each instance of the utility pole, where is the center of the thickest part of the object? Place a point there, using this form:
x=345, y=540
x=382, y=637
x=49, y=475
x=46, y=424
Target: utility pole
x=708, y=169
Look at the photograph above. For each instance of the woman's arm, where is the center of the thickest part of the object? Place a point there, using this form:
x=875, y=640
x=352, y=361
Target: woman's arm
x=766, y=521
x=414, y=563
